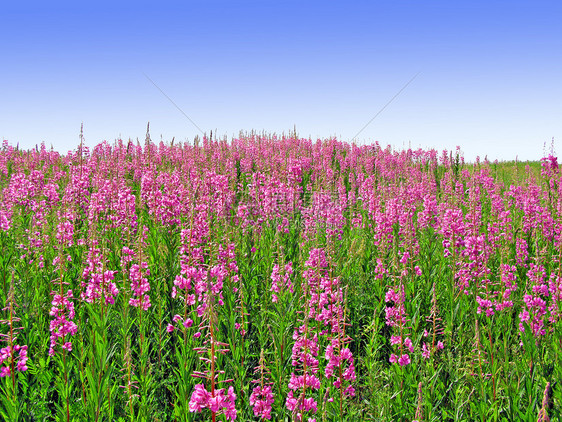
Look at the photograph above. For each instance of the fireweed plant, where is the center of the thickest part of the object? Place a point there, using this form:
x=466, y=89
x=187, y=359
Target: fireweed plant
x=278, y=278
x=13, y=358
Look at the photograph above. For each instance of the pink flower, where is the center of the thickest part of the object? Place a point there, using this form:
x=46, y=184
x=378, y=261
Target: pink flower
x=394, y=340
x=408, y=344
x=425, y=351
x=229, y=408
x=199, y=398
x=291, y=401
x=140, y=286
x=261, y=401
x=6, y=354
x=62, y=310
x=404, y=360
x=349, y=391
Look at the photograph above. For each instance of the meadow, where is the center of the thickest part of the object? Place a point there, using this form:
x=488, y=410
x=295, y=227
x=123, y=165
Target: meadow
x=278, y=278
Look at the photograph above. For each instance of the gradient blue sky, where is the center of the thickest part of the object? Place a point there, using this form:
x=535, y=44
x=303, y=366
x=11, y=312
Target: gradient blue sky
x=490, y=71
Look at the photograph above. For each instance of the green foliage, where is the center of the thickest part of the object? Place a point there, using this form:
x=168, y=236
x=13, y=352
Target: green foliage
x=125, y=365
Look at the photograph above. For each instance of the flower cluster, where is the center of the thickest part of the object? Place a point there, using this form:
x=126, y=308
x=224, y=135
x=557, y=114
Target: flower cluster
x=219, y=402
x=186, y=323
x=261, y=400
x=280, y=280
x=337, y=357
x=9, y=353
x=100, y=285
x=140, y=286
x=396, y=317
x=62, y=310
x=535, y=303
x=304, y=357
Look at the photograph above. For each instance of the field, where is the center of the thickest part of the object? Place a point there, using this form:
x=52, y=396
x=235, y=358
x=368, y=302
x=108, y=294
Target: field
x=278, y=278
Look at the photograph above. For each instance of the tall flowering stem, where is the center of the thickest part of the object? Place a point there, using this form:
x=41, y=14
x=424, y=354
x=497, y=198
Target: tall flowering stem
x=480, y=357
x=217, y=400
x=430, y=348
x=130, y=384
x=13, y=357
x=138, y=273
x=63, y=313
x=543, y=412
x=396, y=317
x=341, y=363
x=282, y=289
x=419, y=409
x=99, y=286
x=188, y=287
x=262, y=397
x=305, y=350
x=139, y=288
x=210, y=295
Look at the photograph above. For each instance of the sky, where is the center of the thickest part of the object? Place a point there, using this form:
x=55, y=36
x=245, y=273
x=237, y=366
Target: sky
x=489, y=73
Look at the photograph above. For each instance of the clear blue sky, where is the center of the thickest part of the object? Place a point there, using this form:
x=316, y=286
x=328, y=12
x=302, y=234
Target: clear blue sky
x=490, y=71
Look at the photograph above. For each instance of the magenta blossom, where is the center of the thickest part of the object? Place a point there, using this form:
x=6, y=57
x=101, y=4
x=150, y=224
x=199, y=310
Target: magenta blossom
x=7, y=354
x=217, y=403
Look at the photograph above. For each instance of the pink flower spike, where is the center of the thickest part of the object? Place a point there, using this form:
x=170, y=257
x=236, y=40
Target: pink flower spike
x=409, y=345
x=425, y=351
x=404, y=360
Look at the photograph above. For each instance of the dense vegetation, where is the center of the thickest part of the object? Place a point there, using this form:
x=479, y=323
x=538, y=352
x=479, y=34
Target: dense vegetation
x=278, y=278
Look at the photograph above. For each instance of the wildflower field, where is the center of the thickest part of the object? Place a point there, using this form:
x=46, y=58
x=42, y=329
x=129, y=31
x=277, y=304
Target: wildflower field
x=278, y=278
